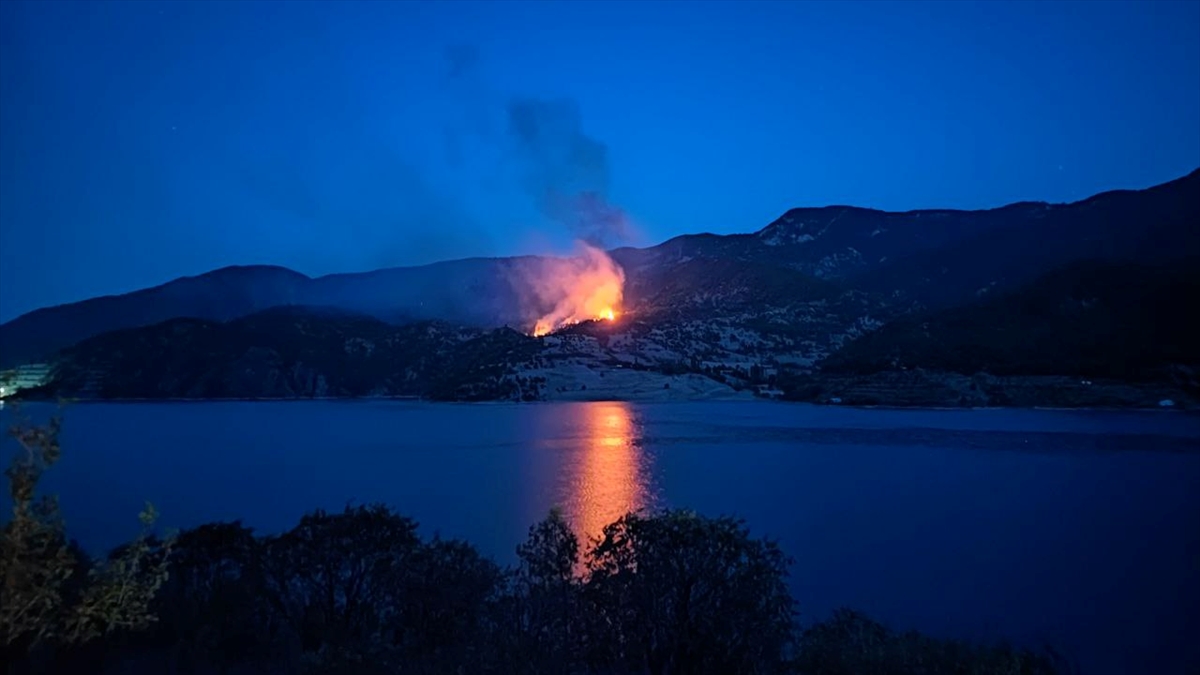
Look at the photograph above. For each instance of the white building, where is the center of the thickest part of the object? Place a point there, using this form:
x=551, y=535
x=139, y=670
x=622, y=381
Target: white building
x=23, y=377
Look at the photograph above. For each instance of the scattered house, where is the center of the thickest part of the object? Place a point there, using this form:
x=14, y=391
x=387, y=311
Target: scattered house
x=23, y=377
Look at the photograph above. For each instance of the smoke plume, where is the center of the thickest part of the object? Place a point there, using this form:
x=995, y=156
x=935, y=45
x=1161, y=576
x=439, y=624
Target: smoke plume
x=567, y=175
x=566, y=171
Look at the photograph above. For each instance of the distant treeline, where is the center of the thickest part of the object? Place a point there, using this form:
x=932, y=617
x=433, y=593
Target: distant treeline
x=358, y=591
x=1096, y=319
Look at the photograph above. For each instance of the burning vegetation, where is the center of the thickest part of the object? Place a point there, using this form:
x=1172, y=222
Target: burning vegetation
x=584, y=287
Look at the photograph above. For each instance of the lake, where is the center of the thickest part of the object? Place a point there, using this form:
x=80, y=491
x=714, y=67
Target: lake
x=1077, y=529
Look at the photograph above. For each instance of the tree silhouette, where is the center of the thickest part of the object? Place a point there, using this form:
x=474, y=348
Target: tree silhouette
x=52, y=595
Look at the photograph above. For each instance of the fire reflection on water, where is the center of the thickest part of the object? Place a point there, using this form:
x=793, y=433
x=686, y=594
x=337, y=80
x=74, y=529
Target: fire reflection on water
x=611, y=477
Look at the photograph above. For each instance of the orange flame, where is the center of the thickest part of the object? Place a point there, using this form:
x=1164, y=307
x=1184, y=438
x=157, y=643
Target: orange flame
x=586, y=287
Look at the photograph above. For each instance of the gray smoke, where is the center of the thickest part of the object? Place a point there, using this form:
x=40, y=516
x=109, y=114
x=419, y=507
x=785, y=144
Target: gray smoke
x=389, y=215
x=565, y=170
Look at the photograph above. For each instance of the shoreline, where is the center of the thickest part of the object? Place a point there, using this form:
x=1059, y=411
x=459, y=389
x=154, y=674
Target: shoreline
x=747, y=400
x=900, y=390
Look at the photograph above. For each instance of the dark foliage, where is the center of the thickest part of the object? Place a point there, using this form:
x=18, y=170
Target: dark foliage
x=852, y=644
x=359, y=592
x=699, y=288
x=1094, y=319
x=293, y=352
x=54, y=600
x=475, y=370
x=683, y=594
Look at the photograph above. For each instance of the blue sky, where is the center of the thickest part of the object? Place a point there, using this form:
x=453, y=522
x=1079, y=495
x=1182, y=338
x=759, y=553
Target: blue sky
x=143, y=141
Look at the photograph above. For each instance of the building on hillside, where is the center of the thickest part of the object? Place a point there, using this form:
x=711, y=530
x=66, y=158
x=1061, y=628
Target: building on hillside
x=23, y=377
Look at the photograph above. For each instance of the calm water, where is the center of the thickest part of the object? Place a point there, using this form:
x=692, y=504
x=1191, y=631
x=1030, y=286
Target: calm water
x=1081, y=529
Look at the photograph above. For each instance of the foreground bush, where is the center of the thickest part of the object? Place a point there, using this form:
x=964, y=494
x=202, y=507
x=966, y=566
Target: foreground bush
x=358, y=591
x=678, y=593
x=52, y=595
x=852, y=644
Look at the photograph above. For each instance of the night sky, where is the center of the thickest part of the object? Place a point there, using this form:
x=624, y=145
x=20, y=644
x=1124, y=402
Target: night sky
x=143, y=141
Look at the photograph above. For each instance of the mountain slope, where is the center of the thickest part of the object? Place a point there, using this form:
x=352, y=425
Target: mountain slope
x=1150, y=226
x=1094, y=319
x=473, y=291
x=794, y=290
x=293, y=352
x=1125, y=324
x=219, y=295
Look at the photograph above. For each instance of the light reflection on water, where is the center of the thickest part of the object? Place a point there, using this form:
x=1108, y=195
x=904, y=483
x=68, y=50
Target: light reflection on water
x=975, y=524
x=609, y=472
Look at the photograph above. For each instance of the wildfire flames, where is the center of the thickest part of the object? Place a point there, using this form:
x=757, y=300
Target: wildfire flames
x=583, y=288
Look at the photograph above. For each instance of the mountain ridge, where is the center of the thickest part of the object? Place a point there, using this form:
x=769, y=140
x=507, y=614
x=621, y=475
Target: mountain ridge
x=1192, y=177
x=728, y=307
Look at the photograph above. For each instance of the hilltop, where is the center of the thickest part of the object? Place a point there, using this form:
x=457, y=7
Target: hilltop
x=1007, y=306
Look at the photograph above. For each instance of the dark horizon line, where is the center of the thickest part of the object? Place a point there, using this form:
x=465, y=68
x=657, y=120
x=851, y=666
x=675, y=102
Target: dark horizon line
x=1193, y=174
